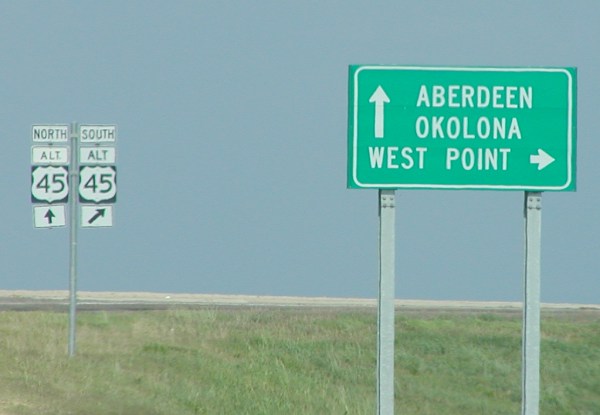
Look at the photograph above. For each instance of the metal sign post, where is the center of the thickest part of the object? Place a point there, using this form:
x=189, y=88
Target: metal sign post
x=74, y=176
x=385, y=309
x=531, y=309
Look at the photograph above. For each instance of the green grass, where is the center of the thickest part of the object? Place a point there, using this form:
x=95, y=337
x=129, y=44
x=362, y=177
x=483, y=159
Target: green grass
x=253, y=361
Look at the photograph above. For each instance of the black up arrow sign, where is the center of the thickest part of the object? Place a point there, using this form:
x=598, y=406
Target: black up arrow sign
x=99, y=214
x=49, y=215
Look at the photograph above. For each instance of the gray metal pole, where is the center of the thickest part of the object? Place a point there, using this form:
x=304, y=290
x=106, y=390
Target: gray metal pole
x=74, y=185
x=385, y=309
x=531, y=309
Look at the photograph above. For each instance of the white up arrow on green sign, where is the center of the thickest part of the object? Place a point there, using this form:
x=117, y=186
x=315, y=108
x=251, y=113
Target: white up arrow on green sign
x=462, y=128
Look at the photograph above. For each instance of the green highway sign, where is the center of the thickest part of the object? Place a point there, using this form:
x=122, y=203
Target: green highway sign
x=425, y=127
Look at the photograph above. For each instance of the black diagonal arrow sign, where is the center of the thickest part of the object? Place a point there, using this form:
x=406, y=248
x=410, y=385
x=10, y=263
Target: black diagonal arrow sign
x=99, y=214
x=96, y=216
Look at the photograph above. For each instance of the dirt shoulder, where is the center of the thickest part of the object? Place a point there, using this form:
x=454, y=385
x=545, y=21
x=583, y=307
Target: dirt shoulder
x=26, y=300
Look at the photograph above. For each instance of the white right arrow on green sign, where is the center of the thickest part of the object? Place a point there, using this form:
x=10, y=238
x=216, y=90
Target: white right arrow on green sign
x=542, y=159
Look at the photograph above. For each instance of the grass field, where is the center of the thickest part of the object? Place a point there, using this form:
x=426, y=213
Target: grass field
x=277, y=361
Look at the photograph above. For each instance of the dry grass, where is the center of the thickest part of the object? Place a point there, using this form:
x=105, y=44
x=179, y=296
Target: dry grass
x=273, y=361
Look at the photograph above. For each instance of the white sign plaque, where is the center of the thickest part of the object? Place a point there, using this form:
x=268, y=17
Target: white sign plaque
x=50, y=155
x=50, y=133
x=96, y=155
x=49, y=216
x=96, y=216
x=93, y=134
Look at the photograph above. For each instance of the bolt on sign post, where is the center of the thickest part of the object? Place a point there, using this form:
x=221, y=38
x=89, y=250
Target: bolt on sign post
x=462, y=128
x=59, y=164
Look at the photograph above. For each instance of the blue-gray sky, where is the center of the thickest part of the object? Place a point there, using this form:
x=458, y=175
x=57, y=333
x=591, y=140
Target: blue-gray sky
x=231, y=154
